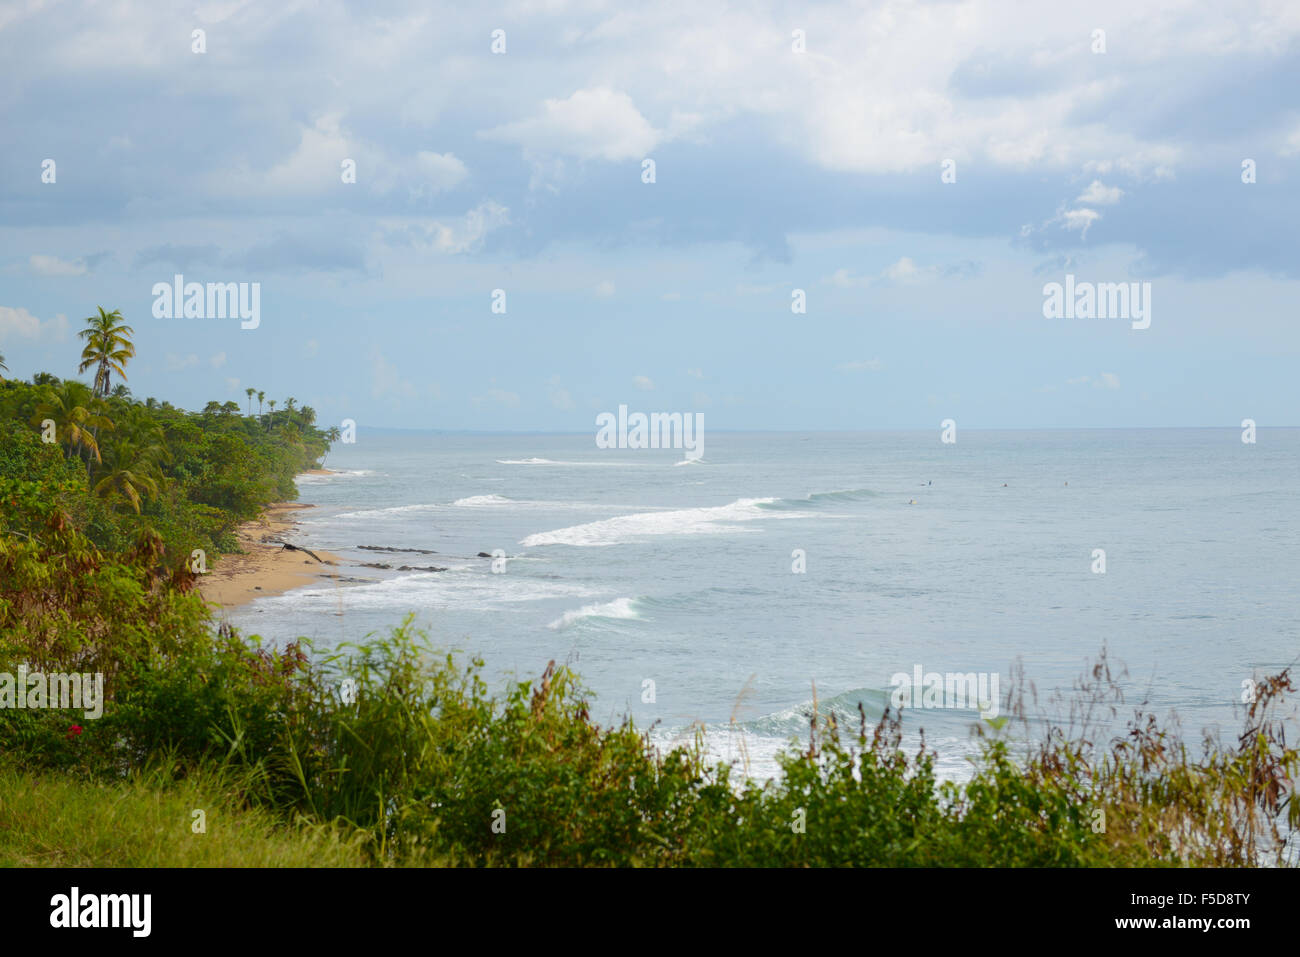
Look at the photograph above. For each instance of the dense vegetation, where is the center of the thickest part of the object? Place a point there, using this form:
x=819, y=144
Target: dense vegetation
x=388, y=753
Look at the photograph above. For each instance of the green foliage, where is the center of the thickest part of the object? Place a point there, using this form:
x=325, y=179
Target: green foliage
x=147, y=820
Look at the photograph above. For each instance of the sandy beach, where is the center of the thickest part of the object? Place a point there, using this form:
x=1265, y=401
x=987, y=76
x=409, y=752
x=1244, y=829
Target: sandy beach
x=265, y=567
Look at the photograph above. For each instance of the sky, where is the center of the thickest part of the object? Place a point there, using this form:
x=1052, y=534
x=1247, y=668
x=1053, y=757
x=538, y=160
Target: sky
x=920, y=171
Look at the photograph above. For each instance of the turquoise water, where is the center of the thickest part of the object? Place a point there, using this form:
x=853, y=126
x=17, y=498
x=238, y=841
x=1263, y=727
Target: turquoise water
x=633, y=567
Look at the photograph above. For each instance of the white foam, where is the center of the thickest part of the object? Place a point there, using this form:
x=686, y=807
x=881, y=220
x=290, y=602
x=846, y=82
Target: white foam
x=686, y=521
x=618, y=608
x=480, y=500
x=395, y=510
x=575, y=464
x=469, y=586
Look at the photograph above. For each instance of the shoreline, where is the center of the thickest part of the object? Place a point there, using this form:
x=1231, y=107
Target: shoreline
x=264, y=567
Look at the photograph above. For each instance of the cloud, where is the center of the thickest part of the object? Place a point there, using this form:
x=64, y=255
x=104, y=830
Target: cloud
x=846, y=280
x=560, y=398
x=232, y=384
x=218, y=360
x=310, y=348
x=902, y=271
x=179, y=255
x=510, y=399
x=1099, y=194
x=177, y=363
x=449, y=237
x=591, y=124
x=440, y=171
x=302, y=252
x=695, y=373
x=44, y=265
x=21, y=323
x=861, y=365
x=1106, y=380
x=1079, y=219
x=604, y=289
x=386, y=381
x=644, y=383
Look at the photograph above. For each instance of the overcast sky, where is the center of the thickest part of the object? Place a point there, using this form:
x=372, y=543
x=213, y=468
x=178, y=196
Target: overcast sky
x=775, y=169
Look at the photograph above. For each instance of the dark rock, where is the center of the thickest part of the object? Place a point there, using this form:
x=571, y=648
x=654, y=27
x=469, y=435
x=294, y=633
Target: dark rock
x=380, y=548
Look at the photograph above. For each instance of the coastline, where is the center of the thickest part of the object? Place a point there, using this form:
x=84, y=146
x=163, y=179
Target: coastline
x=264, y=567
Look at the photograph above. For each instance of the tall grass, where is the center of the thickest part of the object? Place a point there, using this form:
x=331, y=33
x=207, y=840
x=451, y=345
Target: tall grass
x=407, y=750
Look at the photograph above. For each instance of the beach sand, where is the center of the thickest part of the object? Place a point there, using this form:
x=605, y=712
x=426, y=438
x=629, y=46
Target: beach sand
x=266, y=568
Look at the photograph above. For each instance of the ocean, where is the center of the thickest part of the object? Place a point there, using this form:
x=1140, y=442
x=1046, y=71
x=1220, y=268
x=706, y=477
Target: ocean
x=648, y=574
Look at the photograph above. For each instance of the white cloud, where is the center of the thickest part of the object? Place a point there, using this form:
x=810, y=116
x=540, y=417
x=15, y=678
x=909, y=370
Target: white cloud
x=591, y=124
x=1292, y=145
x=1079, y=219
x=456, y=236
x=902, y=271
x=218, y=360
x=1099, y=194
x=560, y=397
x=440, y=170
x=861, y=365
x=510, y=399
x=232, y=384
x=1106, y=380
x=386, y=381
x=310, y=348
x=177, y=363
x=604, y=289
x=54, y=266
x=21, y=323
x=644, y=383
x=846, y=280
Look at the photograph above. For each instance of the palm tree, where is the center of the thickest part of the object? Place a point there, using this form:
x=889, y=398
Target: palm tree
x=77, y=415
x=271, y=403
x=108, y=347
x=289, y=403
x=131, y=472
x=3, y=367
x=308, y=414
x=332, y=435
x=249, y=392
x=260, y=397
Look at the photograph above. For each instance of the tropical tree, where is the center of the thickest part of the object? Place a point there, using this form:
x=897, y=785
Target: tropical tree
x=130, y=473
x=249, y=392
x=271, y=403
x=133, y=461
x=3, y=367
x=108, y=347
x=260, y=397
x=308, y=414
x=77, y=416
x=332, y=435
